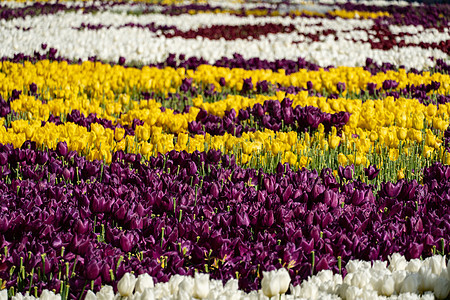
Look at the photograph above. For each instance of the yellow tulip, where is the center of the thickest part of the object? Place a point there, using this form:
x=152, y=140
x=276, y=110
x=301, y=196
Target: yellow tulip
x=342, y=159
x=119, y=133
x=402, y=133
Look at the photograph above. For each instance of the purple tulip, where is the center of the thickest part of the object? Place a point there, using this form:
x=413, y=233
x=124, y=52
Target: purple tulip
x=371, y=172
x=340, y=87
x=62, y=149
x=92, y=270
x=33, y=88
x=346, y=172
x=393, y=190
x=247, y=85
x=414, y=251
x=389, y=84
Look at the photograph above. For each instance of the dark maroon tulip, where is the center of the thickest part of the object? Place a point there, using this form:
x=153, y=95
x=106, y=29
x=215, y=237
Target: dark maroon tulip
x=346, y=172
x=262, y=87
x=192, y=168
x=268, y=218
x=393, y=190
x=242, y=220
x=3, y=158
x=122, y=60
x=389, y=84
x=62, y=149
x=66, y=174
x=247, y=85
x=340, y=86
x=414, y=251
x=33, y=88
x=126, y=242
x=269, y=184
x=371, y=172
x=4, y=224
x=214, y=191
x=92, y=270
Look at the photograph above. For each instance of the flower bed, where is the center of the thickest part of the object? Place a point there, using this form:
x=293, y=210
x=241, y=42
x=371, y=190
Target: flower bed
x=224, y=151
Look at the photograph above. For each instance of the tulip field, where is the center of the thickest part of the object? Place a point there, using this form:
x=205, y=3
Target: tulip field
x=224, y=150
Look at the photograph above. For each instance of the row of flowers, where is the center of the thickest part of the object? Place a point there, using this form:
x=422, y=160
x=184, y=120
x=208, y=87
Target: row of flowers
x=181, y=212
x=103, y=79
x=276, y=37
x=401, y=280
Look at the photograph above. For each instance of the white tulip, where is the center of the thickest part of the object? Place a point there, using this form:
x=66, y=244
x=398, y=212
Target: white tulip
x=397, y=262
x=399, y=277
x=270, y=284
x=411, y=284
x=325, y=275
x=295, y=290
x=174, y=283
x=379, y=265
x=232, y=285
x=355, y=265
x=147, y=294
x=353, y=293
x=437, y=264
x=49, y=295
x=18, y=296
x=414, y=265
x=309, y=290
x=428, y=279
x=201, y=285
x=388, y=286
x=105, y=293
x=144, y=281
x=186, y=286
x=90, y=296
x=285, y=280
x=183, y=294
x=162, y=290
x=125, y=286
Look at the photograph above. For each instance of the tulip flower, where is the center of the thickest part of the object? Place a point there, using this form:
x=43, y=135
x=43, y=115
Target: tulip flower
x=144, y=282
x=126, y=285
x=270, y=283
x=201, y=285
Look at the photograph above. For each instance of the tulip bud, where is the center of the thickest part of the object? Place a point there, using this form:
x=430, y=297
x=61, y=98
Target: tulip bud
x=309, y=290
x=442, y=288
x=148, y=294
x=270, y=283
x=48, y=295
x=106, y=293
x=201, y=285
x=285, y=280
x=93, y=270
x=186, y=287
x=388, y=286
x=192, y=168
x=61, y=148
x=144, y=281
x=90, y=296
x=371, y=172
x=125, y=286
x=340, y=86
x=411, y=284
